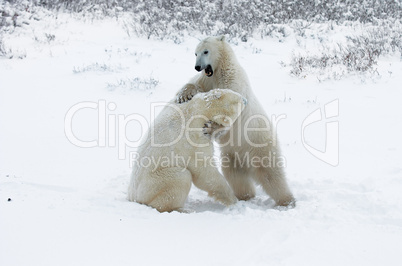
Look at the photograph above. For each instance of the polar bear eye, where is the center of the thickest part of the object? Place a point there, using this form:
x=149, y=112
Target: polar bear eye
x=205, y=52
x=195, y=54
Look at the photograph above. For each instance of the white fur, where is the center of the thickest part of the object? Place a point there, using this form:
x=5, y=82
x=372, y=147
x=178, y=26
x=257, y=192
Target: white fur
x=166, y=187
x=228, y=73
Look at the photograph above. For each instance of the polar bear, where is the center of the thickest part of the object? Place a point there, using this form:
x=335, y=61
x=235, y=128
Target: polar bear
x=250, y=148
x=176, y=152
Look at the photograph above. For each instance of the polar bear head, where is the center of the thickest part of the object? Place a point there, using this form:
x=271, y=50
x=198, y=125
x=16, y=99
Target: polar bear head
x=208, y=54
x=222, y=106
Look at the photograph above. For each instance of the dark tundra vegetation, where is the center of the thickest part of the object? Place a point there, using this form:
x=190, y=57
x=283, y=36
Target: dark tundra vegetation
x=240, y=20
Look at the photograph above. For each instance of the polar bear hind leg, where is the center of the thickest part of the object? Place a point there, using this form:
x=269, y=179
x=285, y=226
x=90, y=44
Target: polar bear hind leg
x=274, y=184
x=166, y=189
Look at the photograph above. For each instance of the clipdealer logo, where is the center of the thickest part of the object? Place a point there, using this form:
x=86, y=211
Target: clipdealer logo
x=112, y=128
x=331, y=153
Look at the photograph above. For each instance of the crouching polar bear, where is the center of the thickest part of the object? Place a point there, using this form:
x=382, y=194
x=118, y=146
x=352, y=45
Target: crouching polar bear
x=251, y=140
x=176, y=152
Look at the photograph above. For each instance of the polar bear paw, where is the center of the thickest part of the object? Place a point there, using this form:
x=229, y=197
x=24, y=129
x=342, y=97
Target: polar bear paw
x=213, y=130
x=187, y=93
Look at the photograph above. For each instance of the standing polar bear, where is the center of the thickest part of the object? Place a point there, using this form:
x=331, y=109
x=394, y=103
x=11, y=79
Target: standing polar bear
x=177, y=153
x=249, y=150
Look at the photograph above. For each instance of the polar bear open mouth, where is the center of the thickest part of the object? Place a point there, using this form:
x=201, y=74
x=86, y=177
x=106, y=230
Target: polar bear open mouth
x=208, y=71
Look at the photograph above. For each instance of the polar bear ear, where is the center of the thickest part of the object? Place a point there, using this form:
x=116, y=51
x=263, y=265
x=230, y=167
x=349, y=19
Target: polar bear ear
x=222, y=38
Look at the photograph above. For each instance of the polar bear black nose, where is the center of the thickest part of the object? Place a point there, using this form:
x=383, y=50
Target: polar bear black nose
x=198, y=68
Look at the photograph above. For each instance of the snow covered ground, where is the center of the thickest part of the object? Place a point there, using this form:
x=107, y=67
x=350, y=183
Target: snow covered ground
x=65, y=205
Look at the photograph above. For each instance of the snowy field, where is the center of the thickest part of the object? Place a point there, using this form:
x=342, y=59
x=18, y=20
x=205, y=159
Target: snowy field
x=66, y=205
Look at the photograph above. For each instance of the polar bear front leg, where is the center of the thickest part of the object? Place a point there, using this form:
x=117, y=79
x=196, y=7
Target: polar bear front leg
x=207, y=177
x=165, y=190
x=216, y=186
x=237, y=176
